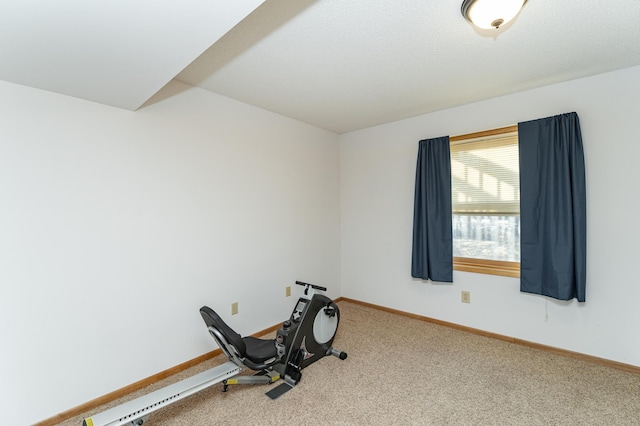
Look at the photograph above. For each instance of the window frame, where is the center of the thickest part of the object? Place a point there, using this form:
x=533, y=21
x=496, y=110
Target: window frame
x=486, y=266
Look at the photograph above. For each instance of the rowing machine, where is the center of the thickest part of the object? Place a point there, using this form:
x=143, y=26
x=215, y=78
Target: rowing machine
x=301, y=340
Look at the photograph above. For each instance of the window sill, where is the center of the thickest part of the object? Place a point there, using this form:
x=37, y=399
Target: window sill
x=484, y=266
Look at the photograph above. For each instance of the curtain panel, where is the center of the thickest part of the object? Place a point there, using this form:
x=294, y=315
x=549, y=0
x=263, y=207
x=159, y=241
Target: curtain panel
x=432, y=254
x=553, y=208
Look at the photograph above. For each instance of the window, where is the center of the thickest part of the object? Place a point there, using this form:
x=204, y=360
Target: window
x=485, y=182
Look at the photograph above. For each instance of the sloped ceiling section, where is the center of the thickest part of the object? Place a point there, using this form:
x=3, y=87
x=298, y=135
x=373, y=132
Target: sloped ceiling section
x=115, y=52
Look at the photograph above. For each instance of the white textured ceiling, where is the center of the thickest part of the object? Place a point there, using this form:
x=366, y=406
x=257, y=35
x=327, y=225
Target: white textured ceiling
x=338, y=64
x=115, y=52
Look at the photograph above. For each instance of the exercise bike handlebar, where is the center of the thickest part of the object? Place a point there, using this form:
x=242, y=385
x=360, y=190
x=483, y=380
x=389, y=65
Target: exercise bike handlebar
x=317, y=287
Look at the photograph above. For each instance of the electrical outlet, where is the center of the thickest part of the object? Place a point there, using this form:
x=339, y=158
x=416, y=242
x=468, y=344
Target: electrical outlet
x=287, y=291
x=466, y=297
x=234, y=308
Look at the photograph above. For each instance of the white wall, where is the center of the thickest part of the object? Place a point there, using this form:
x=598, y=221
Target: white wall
x=117, y=226
x=377, y=183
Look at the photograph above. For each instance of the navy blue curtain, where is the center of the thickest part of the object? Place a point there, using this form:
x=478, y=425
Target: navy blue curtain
x=432, y=255
x=553, y=208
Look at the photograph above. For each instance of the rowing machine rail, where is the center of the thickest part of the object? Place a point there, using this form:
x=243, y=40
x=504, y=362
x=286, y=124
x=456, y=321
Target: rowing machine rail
x=135, y=412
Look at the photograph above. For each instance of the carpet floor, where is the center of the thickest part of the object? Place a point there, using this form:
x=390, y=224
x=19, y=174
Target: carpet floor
x=410, y=372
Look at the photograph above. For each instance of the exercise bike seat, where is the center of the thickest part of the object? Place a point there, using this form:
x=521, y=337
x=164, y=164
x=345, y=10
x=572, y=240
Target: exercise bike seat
x=256, y=354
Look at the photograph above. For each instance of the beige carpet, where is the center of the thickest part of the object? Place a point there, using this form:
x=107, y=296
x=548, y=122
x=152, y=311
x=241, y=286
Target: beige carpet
x=408, y=372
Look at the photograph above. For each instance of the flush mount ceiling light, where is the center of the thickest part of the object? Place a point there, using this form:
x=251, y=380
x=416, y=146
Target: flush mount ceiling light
x=490, y=13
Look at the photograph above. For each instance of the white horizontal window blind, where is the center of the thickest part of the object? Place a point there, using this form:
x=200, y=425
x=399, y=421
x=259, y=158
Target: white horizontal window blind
x=485, y=176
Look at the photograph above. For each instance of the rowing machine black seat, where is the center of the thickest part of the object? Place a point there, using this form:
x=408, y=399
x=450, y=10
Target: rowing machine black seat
x=256, y=354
